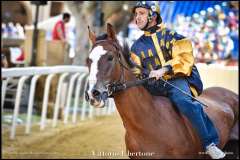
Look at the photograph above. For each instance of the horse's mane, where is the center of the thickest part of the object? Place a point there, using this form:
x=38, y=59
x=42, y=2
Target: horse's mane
x=126, y=54
x=125, y=49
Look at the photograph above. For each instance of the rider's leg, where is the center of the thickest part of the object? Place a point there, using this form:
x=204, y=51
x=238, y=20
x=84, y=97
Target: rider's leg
x=193, y=110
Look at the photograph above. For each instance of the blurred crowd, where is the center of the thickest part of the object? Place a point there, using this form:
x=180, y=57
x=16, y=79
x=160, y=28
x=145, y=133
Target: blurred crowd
x=14, y=31
x=213, y=33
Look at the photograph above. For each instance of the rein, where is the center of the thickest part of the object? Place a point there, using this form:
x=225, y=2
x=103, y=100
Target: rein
x=118, y=86
x=121, y=84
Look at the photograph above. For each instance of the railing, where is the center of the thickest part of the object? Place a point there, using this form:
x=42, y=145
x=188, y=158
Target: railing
x=76, y=74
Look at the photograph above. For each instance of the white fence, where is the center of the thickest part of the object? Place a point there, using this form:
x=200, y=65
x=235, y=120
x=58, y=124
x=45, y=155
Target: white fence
x=75, y=73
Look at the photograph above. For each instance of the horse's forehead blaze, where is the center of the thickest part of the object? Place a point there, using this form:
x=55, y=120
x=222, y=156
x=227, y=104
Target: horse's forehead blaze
x=95, y=55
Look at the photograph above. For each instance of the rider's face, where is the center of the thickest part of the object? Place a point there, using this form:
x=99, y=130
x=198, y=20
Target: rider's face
x=141, y=16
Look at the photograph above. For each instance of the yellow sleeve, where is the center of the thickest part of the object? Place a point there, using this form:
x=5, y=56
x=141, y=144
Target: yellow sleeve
x=135, y=59
x=182, y=57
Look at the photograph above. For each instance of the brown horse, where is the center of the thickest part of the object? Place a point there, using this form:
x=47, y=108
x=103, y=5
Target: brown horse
x=154, y=128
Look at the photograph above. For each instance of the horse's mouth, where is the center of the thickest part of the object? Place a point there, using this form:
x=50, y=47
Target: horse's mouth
x=97, y=104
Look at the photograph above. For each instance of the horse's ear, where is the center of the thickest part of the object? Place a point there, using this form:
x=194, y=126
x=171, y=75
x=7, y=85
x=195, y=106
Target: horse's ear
x=110, y=32
x=91, y=35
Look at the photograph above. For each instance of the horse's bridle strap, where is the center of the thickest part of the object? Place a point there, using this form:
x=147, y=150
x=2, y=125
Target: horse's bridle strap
x=119, y=86
x=116, y=87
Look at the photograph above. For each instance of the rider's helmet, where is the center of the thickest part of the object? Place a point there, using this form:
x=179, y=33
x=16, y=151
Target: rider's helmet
x=153, y=7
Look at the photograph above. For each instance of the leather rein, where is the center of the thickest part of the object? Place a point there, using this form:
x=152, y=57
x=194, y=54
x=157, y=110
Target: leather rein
x=120, y=84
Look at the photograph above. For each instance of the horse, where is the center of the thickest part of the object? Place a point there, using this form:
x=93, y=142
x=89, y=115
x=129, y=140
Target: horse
x=154, y=127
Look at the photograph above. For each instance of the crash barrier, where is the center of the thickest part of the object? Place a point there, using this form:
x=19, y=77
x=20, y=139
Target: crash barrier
x=75, y=80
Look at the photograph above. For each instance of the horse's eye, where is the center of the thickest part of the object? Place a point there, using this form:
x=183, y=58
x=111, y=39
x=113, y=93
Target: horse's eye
x=110, y=58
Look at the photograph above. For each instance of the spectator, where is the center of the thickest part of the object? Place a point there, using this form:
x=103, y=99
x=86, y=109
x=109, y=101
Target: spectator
x=59, y=33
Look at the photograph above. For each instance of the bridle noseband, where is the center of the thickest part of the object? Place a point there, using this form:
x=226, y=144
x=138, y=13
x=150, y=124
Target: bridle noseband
x=120, y=84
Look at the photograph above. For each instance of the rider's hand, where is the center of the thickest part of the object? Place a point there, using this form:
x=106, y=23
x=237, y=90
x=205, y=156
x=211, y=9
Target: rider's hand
x=158, y=73
x=135, y=70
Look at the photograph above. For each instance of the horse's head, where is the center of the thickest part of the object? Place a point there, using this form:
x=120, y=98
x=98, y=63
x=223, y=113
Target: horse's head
x=104, y=66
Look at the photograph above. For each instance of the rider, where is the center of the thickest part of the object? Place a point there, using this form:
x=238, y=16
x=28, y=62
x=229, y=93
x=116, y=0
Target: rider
x=161, y=52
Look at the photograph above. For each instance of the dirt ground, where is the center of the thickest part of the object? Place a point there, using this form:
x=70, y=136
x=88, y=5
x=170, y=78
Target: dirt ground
x=100, y=137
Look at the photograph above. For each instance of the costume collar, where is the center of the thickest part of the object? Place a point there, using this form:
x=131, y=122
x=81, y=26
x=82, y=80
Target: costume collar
x=154, y=29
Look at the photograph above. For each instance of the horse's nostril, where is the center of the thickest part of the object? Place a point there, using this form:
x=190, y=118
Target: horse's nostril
x=91, y=101
x=95, y=93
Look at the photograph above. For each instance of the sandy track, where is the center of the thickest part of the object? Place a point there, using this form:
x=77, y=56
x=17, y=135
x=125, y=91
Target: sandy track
x=101, y=137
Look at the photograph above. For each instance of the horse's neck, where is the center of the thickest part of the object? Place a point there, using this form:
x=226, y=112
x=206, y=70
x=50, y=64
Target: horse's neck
x=142, y=116
x=134, y=104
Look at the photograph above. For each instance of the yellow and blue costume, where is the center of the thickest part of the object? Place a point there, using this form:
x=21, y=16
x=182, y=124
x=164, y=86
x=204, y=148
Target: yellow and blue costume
x=160, y=47
x=165, y=48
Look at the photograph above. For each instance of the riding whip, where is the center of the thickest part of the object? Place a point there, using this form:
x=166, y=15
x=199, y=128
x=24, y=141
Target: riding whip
x=143, y=80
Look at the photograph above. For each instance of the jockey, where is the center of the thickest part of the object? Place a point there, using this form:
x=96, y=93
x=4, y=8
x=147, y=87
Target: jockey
x=167, y=54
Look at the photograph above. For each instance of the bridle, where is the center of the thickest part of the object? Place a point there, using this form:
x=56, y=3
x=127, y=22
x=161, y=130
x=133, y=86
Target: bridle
x=120, y=84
